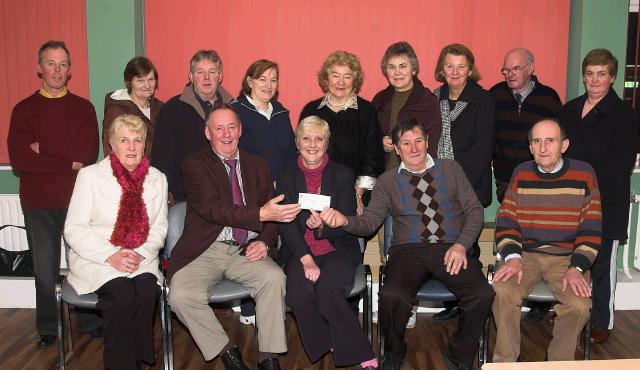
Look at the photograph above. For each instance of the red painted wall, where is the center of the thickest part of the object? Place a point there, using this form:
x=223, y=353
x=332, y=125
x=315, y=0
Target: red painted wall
x=300, y=34
x=24, y=26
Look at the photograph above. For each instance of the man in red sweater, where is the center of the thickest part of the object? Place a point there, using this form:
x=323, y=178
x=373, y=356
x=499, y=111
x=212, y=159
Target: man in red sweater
x=53, y=134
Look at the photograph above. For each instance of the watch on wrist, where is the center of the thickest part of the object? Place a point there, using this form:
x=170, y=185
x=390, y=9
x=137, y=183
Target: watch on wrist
x=579, y=269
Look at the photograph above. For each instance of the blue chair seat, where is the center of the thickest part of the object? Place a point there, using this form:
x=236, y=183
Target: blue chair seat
x=434, y=290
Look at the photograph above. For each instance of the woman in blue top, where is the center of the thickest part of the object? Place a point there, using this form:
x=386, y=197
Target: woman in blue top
x=266, y=131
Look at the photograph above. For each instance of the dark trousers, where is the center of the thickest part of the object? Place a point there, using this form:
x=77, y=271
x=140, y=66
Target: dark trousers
x=475, y=253
x=408, y=268
x=128, y=307
x=325, y=319
x=603, y=277
x=44, y=232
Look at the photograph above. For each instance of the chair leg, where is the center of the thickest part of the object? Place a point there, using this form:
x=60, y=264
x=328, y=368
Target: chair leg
x=61, y=360
x=169, y=335
x=587, y=340
x=484, y=342
x=367, y=305
x=163, y=325
x=67, y=315
x=380, y=336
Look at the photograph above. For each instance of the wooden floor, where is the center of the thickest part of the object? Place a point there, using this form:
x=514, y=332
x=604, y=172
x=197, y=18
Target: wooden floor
x=425, y=342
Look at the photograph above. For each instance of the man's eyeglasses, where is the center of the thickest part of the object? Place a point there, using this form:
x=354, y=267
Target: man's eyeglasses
x=516, y=70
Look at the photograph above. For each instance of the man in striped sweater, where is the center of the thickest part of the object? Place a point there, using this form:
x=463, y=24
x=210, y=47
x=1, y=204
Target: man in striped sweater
x=548, y=227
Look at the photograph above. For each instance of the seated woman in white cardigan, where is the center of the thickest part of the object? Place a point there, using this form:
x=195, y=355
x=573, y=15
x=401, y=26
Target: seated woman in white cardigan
x=116, y=225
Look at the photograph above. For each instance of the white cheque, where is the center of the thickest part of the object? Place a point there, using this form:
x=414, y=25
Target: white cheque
x=314, y=201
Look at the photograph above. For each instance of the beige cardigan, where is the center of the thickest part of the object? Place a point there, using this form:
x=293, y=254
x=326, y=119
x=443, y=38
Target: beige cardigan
x=90, y=221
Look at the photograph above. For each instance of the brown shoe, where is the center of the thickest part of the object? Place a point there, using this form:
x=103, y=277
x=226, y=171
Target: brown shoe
x=599, y=335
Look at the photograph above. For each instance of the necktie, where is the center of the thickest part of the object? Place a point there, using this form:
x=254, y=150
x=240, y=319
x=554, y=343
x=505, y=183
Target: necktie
x=239, y=235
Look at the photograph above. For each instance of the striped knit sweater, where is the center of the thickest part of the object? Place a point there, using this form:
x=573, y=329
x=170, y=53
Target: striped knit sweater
x=512, y=125
x=552, y=213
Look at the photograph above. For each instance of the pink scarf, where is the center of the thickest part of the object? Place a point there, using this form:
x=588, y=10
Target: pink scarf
x=313, y=179
x=132, y=225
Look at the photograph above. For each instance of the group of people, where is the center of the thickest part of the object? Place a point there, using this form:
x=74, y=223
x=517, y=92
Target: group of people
x=419, y=159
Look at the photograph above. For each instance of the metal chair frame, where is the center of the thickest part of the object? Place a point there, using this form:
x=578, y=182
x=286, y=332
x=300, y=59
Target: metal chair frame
x=66, y=295
x=432, y=290
x=229, y=290
x=540, y=293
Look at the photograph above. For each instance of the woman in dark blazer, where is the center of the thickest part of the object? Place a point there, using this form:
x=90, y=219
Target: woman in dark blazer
x=467, y=112
x=603, y=131
x=468, y=118
x=321, y=262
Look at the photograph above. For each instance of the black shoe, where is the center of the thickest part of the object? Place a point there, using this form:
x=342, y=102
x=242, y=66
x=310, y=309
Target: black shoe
x=453, y=363
x=536, y=314
x=45, y=341
x=389, y=364
x=232, y=359
x=269, y=364
x=447, y=314
x=97, y=333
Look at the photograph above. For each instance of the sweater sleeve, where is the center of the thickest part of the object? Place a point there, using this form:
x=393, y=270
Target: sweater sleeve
x=23, y=158
x=344, y=200
x=372, y=153
x=292, y=233
x=374, y=214
x=473, y=211
x=508, y=234
x=589, y=233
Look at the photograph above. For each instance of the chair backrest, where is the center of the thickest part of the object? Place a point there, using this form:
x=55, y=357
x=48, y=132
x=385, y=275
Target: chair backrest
x=177, y=214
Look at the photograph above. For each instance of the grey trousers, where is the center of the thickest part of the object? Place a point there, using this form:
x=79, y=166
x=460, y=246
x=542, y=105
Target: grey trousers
x=189, y=292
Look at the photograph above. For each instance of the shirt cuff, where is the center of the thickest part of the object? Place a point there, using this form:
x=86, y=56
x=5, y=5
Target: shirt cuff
x=366, y=182
x=511, y=256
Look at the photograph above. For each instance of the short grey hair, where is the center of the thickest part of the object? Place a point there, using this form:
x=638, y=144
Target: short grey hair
x=313, y=122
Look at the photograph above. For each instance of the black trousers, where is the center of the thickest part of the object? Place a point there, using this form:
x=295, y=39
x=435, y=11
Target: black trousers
x=603, y=277
x=44, y=231
x=325, y=319
x=128, y=307
x=408, y=268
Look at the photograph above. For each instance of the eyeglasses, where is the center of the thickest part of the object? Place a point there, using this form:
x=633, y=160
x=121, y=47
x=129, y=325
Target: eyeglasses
x=538, y=141
x=516, y=70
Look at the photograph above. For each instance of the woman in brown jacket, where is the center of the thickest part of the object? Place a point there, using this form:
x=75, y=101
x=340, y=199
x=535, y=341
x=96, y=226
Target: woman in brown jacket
x=141, y=80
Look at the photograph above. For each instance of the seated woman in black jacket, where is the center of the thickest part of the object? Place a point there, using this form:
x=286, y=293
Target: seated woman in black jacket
x=320, y=261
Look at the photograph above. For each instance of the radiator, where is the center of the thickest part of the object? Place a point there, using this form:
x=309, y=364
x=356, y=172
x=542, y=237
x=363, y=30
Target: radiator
x=12, y=238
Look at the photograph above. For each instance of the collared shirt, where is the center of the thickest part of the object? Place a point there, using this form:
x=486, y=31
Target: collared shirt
x=556, y=168
x=430, y=163
x=352, y=102
x=46, y=94
x=227, y=231
x=267, y=113
x=526, y=91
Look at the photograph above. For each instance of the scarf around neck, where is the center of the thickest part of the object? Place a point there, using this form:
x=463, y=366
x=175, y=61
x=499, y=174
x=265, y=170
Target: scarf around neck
x=313, y=180
x=132, y=225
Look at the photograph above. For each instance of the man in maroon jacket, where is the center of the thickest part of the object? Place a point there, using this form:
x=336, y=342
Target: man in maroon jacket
x=227, y=234
x=53, y=134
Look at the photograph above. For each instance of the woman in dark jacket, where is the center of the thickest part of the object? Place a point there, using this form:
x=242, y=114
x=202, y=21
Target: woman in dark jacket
x=353, y=121
x=468, y=118
x=266, y=131
x=321, y=262
x=405, y=97
x=467, y=112
x=141, y=80
x=603, y=131
x=266, y=126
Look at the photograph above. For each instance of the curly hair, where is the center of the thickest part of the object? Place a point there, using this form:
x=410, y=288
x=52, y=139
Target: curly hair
x=341, y=58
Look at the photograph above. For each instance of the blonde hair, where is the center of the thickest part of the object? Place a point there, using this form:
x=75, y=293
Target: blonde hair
x=131, y=122
x=313, y=122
